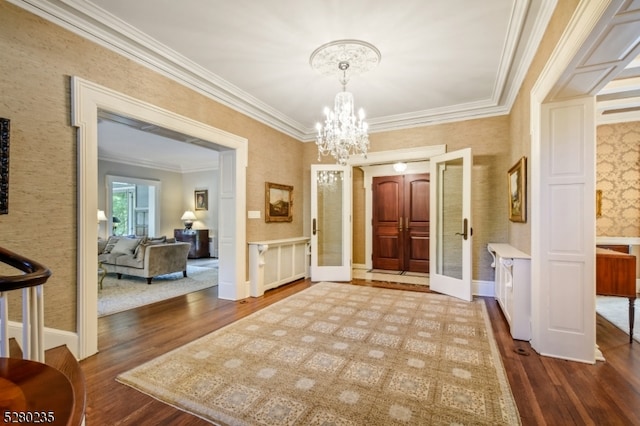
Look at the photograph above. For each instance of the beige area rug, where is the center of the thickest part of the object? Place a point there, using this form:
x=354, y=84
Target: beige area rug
x=616, y=311
x=341, y=354
x=119, y=295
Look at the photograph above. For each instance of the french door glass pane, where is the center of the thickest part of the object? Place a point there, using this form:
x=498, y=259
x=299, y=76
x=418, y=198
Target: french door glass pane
x=451, y=216
x=329, y=226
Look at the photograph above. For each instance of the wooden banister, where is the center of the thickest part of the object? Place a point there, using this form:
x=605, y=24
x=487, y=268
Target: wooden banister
x=34, y=272
x=54, y=387
x=30, y=281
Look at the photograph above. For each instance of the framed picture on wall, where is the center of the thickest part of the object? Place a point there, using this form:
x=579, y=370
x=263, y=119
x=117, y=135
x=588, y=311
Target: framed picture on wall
x=4, y=165
x=278, y=203
x=201, y=197
x=518, y=191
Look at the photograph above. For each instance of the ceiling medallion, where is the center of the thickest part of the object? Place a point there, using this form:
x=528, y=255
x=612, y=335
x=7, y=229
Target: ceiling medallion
x=343, y=133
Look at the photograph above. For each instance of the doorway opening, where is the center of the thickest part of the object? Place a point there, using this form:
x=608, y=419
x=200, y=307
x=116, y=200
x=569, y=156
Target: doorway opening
x=87, y=99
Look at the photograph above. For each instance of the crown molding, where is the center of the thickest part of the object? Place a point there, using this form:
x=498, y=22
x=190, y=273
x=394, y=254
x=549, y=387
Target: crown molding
x=90, y=22
x=138, y=162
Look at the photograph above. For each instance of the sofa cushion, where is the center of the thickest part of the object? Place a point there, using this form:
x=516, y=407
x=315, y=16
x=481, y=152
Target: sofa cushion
x=109, y=257
x=129, y=260
x=126, y=245
x=162, y=239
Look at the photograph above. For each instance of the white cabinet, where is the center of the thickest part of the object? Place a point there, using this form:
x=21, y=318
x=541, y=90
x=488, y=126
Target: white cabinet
x=513, y=287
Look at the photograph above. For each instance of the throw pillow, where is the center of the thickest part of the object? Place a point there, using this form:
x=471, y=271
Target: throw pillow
x=141, y=250
x=111, y=242
x=126, y=245
x=102, y=244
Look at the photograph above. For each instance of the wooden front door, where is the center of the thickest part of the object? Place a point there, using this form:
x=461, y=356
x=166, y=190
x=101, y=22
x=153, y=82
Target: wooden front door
x=401, y=223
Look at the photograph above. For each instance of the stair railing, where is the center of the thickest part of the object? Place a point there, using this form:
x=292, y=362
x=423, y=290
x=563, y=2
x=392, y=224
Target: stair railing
x=31, y=282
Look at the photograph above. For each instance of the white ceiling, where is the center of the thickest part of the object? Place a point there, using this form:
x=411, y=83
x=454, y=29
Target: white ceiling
x=441, y=60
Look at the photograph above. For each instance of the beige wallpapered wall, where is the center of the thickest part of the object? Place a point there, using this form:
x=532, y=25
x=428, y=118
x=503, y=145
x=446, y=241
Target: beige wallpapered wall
x=37, y=59
x=520, y=117
x=618, y=176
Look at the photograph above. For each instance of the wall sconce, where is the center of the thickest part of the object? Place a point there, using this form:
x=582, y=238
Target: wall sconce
x=188, y=217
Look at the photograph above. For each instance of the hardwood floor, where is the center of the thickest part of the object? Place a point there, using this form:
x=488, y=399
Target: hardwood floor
x=546, y=390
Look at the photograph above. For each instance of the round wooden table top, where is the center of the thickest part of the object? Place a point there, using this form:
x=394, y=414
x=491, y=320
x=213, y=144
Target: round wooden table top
x=32, y=392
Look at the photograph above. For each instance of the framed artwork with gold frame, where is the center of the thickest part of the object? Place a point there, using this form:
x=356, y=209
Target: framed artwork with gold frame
x=518, y=191
x=278, y=206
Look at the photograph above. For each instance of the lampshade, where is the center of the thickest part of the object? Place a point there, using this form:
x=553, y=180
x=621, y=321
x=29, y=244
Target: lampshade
x=188, y=217
x=101, y=216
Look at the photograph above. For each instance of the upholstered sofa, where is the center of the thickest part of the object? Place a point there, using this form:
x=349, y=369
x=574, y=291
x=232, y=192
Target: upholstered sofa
x=143, y=257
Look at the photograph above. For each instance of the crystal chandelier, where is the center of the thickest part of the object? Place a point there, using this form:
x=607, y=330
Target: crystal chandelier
x=343, y=133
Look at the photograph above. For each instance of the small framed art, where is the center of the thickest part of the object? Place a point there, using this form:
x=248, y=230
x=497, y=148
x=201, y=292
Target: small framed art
x=201, y=197
x=4, y=165
x=518, y=191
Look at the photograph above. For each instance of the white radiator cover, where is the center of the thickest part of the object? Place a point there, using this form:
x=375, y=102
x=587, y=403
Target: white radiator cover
x=513, y=287
x=277, y=262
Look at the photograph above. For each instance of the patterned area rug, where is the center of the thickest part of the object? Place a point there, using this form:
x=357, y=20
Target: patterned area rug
x=341, y=354
x=119, y=295
x=616, y=311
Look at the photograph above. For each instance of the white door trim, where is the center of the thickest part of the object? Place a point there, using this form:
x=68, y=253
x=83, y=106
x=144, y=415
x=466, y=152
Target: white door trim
x=588, y=17
x=86, y=98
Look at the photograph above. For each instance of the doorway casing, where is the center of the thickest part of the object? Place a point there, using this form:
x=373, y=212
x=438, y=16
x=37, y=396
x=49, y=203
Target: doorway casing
x=86, y=99
x=380, y=164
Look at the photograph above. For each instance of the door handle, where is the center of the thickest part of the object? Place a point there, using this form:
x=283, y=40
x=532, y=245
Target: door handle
x=465, y=228
x=400, y=224
x=314, y=226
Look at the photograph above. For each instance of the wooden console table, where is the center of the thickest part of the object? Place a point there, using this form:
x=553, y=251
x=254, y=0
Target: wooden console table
x=616, y=276
x=199, y=239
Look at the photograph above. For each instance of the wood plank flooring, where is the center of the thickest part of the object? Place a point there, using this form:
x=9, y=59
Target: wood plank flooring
x=546, y=390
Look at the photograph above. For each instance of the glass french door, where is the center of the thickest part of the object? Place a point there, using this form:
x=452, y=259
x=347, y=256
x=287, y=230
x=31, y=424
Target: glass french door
x=450, y=228
x=330, y=223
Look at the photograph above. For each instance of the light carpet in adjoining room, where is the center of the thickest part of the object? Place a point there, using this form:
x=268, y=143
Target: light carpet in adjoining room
x=616, y=311
x=341, y=354
x=119, y=295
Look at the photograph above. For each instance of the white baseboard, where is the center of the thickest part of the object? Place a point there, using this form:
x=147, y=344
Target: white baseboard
x=52, y=337
x=484, y=288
